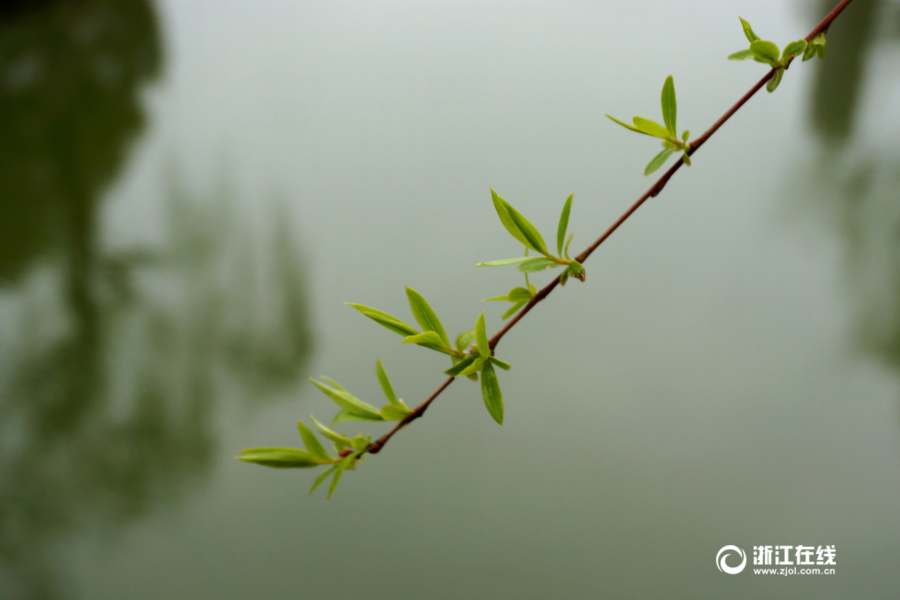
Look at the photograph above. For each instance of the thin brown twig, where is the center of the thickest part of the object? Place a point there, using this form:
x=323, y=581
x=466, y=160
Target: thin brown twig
x=657, y=187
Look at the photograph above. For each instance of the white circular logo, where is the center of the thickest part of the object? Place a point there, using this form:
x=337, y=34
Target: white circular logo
x=723, y=555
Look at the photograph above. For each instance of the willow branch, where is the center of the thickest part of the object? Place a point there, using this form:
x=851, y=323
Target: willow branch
x=654, y=190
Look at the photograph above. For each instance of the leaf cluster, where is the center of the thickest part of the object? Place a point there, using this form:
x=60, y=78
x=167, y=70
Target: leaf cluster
x=349, y=450
x=766, y=52
x=523, y=231
x=668, y=134
x=349, y=454
x=471, y=353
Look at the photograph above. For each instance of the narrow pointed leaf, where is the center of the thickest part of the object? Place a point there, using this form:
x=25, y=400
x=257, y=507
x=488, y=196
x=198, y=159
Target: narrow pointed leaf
x=345, y=415
x=490, y=392
x=347, y=401
x=669, y=106
x=481, y=338
x=518, y=226
x=503, y=262
x=322, y=477
x=531, y=233
x=497, y=299
x=477, y=365
x=499, y=363
x=279, y=458
x=766, y=51
x=537, y=264
x=651, y=127
x=748, y=31
x=626, y=125
x=425, y=315
x=312, y=443
x=741, y=55
x=563, y=224
x=568, y=241
x=339, y=470
x=334, y=383
x=390, y=412
x=685, y=135
x=429, y=339
x=461, y=366
x=384, y=319
x=513, y=309
x=385, y=383
x=776, y=79
x=658, y=161
x=340, y=440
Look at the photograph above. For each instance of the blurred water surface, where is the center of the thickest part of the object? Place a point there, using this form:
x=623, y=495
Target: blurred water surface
x=189, y=191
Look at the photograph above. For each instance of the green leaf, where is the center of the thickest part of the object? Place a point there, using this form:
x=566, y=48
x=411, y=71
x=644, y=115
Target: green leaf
x=741, y=55
x=568, y=241
x=669, y=106
x=658, y=161
x=461, y=366
x=503, y=262
x=333, y=382
x=626, y=125
x=490, y=392
x=425, y=315
x=685, y=135
x=513, y=309
x=384, y=319
x=793, y=49
x=748, y=31
x=344, y=415
x=563, y=224
x=322, y=477
x=651, y=127
x=385, y=383
x=481, y=338
x=429, y=339
x=359, y=443
x=390, y=412
x=765, y=51
x=497, y=299
x=340, y=441
x=519, y=294
x=464, y=339
x=347, y=401
x=339, y=470
x=477, y=365
x=537, y=264
x=686, y=158
x=809, y=52
x=776, y=79
x=280, y=458
x=312, y=443
x=517, y=225
x=820, y=50
x=503, y=365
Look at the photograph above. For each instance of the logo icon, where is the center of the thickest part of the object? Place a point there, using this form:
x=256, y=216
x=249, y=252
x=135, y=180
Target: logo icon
x=724, y=554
